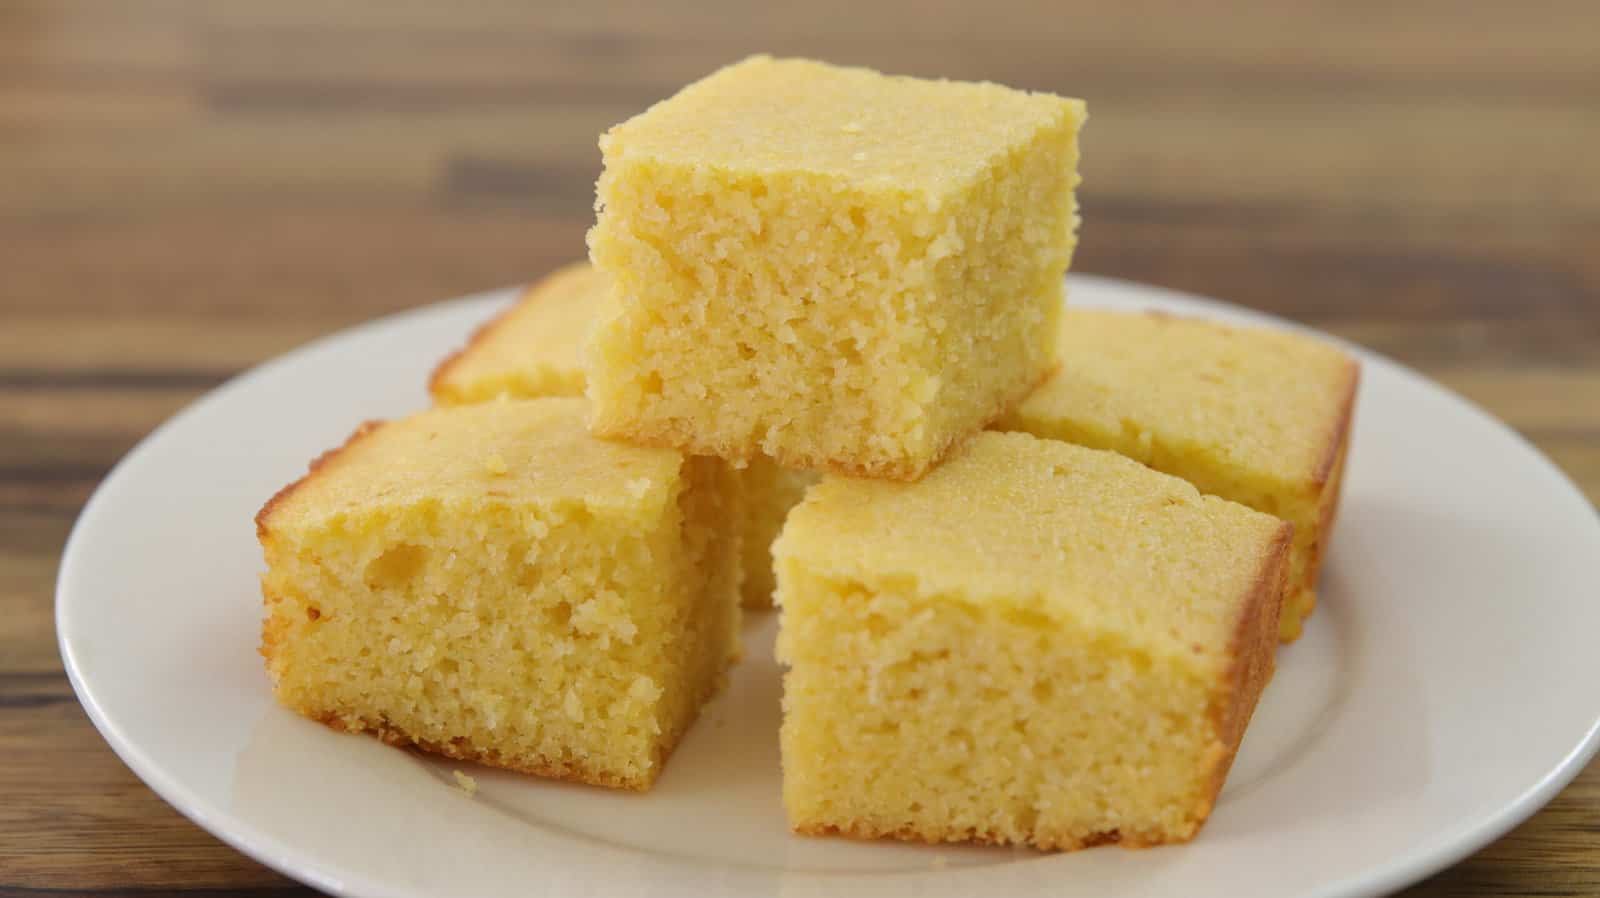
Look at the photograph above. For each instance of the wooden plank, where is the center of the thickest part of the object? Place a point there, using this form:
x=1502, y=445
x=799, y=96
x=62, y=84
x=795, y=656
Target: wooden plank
x=66, y=791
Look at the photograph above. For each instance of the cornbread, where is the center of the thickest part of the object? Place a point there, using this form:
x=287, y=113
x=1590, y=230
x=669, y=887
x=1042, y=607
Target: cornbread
x=1258, y=416
x=835, y=268
x=769, y=493
x=1037, y=643
x=493, y=584
x=532, y=351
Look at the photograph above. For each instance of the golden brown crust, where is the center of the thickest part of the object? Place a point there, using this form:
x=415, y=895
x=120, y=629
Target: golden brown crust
x=447, y=365
x=1303, y=595
x=460, y=750
x=322, y=461
x=1253, y=649
x=529, y=295
x=905, y=472
x=1339, y=437
x=436, y=388
x=1332, y=477
x=1330, y=513
x=1328, y=483
x=1042, y=840
x=1299, y=601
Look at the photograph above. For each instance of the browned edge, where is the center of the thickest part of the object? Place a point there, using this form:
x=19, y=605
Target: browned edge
x=530, y=294
x=460, y=749
x=479, y=335
x=860, y=830
x=1253, y=653
x=1339, y=438
x=1328, y=484
x=366, y=429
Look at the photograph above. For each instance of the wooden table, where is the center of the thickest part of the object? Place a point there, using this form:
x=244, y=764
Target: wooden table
x=188, y=189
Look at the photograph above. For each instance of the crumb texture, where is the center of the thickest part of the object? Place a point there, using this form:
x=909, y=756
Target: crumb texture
x=491, y=583
x=795, y=273
x=1254, y=415
x=1036, y=644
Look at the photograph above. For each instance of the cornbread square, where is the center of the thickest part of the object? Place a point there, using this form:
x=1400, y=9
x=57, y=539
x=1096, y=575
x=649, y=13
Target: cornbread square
x=838, y=269
x=1037, y=643
x=532, y=351
x=1258, y=416
x=493, y=584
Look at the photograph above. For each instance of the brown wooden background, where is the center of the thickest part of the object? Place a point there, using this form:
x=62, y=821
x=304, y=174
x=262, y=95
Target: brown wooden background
x=188, y=189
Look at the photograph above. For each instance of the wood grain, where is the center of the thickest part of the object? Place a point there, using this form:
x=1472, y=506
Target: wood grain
x=188, y=189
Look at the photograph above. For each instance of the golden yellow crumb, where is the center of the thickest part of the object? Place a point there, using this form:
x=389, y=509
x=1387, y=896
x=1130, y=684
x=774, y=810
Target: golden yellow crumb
x=496, y=465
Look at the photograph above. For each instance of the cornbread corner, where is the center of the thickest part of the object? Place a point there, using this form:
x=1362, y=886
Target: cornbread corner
x=839, y=269
x=1036, y=643
x=532, y=351
x=1258, y=416
x=493, y=584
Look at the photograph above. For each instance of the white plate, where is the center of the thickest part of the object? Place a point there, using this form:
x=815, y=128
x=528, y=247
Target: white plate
x=1445, y=689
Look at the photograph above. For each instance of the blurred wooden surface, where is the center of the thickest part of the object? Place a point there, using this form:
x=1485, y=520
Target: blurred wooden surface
x=187, y=189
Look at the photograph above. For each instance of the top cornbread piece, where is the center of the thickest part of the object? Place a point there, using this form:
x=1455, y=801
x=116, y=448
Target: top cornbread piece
x=492, y=583
x=1258, y=416
x=1036, y=642
x=839, y=269
x=532, y=350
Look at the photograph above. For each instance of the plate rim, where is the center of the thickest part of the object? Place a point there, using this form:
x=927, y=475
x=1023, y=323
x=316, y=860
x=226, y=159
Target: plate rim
x=1429, y=855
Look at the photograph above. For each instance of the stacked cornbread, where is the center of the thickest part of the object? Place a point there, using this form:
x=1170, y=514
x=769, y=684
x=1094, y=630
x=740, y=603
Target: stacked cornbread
x=839, y=270
x=822, y=281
